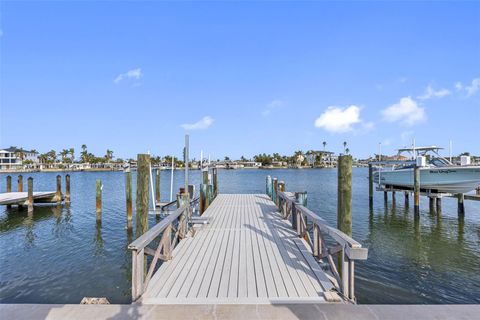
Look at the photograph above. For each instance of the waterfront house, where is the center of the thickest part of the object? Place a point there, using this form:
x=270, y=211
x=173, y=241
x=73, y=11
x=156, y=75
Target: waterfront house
x=13, y=158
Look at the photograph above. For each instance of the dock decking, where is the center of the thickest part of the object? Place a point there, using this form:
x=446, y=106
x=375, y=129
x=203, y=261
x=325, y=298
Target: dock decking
x=21, y=198
x=246, y=254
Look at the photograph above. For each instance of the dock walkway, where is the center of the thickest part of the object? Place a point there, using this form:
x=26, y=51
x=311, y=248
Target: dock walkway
x=246, y=254
x=21, y=198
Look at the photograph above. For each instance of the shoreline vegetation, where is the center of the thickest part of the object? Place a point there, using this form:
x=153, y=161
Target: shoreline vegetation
x=13, y=160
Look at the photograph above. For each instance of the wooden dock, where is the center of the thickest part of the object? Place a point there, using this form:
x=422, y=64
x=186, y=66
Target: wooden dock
x=21, y=198
x=248, y=253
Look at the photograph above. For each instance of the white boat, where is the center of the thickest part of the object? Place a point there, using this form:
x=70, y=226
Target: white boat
x=437, y=174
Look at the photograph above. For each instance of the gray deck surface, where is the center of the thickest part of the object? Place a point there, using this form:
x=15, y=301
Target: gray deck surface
x=246, y=254
x=21, y=197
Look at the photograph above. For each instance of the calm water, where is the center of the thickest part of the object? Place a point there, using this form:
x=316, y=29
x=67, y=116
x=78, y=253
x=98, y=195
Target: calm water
x=60, y=255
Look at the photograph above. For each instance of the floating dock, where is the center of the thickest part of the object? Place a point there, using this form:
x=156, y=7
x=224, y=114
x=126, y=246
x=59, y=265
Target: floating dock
x=21, y=198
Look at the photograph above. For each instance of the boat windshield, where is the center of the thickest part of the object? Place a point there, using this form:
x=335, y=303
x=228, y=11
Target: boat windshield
x=439, y=162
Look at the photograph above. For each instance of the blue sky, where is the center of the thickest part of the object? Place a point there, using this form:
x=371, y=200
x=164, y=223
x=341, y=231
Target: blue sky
x=240, y=77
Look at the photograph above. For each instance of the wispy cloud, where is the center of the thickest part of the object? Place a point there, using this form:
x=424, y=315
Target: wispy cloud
x=473, y=87
x=202, y=124
x=134, y=74
x=338, y=119
x=272, y=106
x=458, y=86
x=432, y=93
x=406, y=111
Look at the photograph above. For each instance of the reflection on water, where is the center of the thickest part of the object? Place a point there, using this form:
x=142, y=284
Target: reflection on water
x=59, y=254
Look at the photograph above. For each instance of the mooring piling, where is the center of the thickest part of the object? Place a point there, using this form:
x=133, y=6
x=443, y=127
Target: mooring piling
x=30, y=194
x=416, y=188
x=370, y=185
x=20, y=183
x=394, y=198
x=9, y=188
x=281, y=186
x=210, y=194
x=128, y=195
x=143, y=173
x=58, y=194
x=157, y=187
x=191, y=191
x=431, y=205
x=268, y=188
x=215, y=181
x=461, y=204
x=385, y=197
x=344, y=210
x=439, y=205
x=98, y=199
x=203, y=198
x=406, y=194
x=275, y=189
x=67, y=189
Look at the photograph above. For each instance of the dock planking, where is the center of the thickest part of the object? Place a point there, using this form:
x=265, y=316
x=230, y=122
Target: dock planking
x=21, y=198
x=246, y=254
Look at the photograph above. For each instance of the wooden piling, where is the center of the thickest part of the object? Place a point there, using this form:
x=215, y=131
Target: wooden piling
x=461, y=204
x=128, y=196
x=98, y=198
x=20, y=183
x=416, y=188
x=143, y=177
x=268, y=185
x=9, y=188
x=344, y=210
x=215, y=181
x=157, y=187
x=275, y=188
x=385, y=197
x=203, y=198
x=406, y=194
x=205, y=176
x=191, y=191
x=58, y=194
x=439, y=205
x=431, y=204
x=9, y=184
x=30, y=194
x=67, y=189
x=370, y=185
x=210, y=194
x=394, y=198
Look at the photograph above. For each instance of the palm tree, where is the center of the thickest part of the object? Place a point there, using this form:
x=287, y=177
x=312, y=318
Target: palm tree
x=345, y=146
x=109, y=155
x=324, y=145
x=84, y=154
x=347, y=151
x=64, y=154
x=72, y=154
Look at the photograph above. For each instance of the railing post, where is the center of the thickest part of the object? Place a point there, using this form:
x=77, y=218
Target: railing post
x=137, y=273
x=345, y=268
x=300, y=198
x=317, y=242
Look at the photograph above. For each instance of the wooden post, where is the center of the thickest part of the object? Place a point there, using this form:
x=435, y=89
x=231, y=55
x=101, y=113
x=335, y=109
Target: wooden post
x=203, y=198
x=461, y=205
x=67, y=189
x=215, y=182
x=128, y=196
x=275, y=188
x=191, y=191
x=406, y=194
x=281, y=187
x=385, y=197
x=58, y=194
x=9, y=184
x=143, y=176
x=439, y=205
x=30, y=194
x=370, y=185
x=20, y=183
x=268, y=187
x=98, y=198
x=394, y=198
x=157, y=187
x=416, y=189
x=344, y=209
x=431, y=203
x=210, y=194
x=205, y=176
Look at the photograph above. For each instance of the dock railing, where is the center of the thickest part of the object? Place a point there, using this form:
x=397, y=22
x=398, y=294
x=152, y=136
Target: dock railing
x=313, y=230
x=171, y=231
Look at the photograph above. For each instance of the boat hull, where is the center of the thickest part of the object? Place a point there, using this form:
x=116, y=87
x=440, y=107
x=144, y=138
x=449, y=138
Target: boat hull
x=445, y=179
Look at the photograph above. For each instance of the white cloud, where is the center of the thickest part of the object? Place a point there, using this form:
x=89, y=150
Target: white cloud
x=271, y=106
x=473, y=87
x=338, y=120
x=406, y=111
x=431, y=93
x=203, y=123
x=135, y=74
x=458, y=86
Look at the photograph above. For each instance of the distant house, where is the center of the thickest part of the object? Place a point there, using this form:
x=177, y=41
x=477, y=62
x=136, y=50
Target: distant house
x=13, y=158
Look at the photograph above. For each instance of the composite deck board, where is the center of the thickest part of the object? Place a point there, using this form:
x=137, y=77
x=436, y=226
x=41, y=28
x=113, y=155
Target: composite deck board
x=246, y=254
